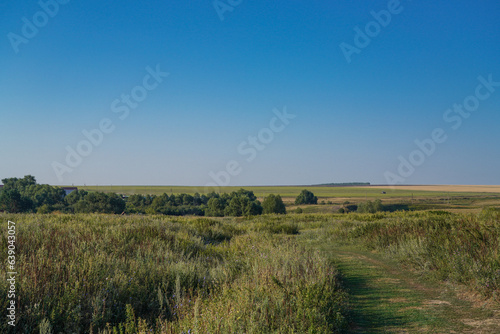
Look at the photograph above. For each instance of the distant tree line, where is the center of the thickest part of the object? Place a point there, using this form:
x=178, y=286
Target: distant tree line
x=364, y=207
x=25, y=195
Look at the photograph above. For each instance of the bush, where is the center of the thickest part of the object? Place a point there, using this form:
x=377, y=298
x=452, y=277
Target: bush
x=12, y=201
x=253, y=208
x=44, y=209
x=306, y=197
x=235, y=207
x=490, y=214
x=370, y=207
x=25, y=195
x=273, y=204
x=99, y=202
x=238, y=203
x=215, y=208
x=298, y=210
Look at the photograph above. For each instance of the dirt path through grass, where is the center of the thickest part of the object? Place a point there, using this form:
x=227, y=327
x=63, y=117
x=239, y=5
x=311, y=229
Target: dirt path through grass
x=385, y=298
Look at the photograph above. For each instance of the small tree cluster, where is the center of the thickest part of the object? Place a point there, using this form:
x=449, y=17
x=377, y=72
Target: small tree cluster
x=175, y=205
x=25, y=195
x=81, y=201
x=370, y=207
x=238, y=203
x=273, y=204
x=306, y=197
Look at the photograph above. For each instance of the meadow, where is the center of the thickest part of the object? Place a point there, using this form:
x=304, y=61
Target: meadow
x=458, y=248
x=99, y=273
x=158, y=274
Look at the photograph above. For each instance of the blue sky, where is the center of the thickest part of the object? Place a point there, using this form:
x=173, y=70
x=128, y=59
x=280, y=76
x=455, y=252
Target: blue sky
x=356, y=117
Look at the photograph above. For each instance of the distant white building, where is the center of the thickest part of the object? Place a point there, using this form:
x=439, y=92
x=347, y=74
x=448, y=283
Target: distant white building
x=69, y=190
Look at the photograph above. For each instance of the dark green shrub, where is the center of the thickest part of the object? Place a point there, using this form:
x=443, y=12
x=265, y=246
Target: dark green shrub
x=306, y=197
x=273, y=204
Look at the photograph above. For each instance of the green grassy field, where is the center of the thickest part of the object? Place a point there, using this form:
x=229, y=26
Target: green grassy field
x=414, y=271
x=159, y=274
x=290, y=191
x=295, y=273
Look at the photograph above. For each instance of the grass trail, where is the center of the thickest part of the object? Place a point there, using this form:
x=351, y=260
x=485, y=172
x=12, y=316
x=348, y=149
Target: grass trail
x=386, y=298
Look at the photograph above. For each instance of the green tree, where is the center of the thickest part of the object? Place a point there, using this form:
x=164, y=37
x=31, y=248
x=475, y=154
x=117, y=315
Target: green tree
x=43, y=194
x=75, y=196
x=187, y=199
x=235, y=206
x=273, y=204
x=215, y=208
x=35, y=195
x=137, y=203
x=370, y=207
x=245, y=193
x=98, y=202
x=12, y=201
x=306, y=197
x=197, y=200
x=19, y=184
x=253, y=208
x=160, y=204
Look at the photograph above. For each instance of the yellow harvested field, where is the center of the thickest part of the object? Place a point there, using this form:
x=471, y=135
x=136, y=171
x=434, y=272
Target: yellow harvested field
x=445, y=188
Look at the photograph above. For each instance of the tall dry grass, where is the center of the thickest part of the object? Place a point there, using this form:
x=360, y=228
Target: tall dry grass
x=461, y=248
x=158, y=274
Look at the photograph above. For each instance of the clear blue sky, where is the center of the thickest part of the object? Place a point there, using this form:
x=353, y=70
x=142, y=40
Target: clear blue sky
x=354, y=120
